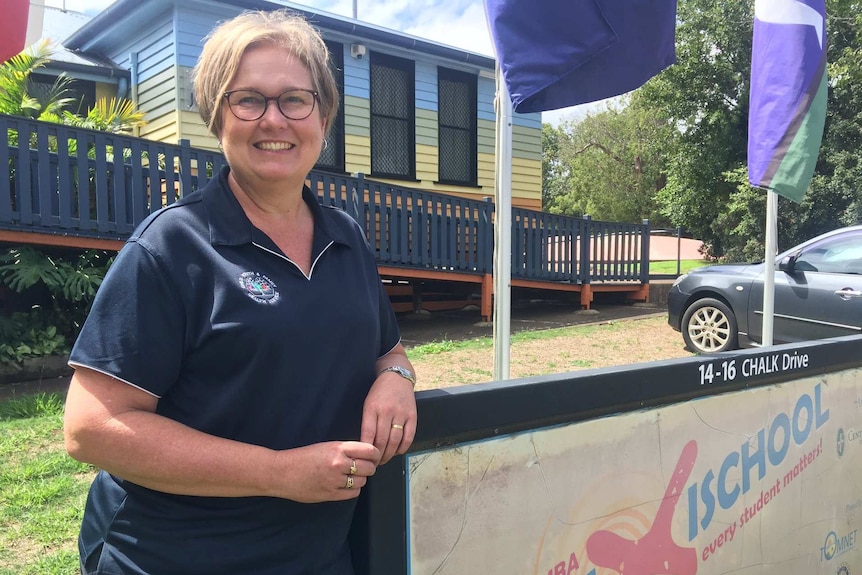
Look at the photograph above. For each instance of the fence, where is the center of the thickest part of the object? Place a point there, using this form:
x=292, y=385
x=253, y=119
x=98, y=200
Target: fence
x=78, y=182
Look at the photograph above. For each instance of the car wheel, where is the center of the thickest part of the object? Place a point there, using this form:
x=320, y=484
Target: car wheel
x=709, y=326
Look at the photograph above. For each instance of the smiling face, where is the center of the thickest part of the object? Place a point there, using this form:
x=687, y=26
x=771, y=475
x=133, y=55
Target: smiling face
x=273, y=151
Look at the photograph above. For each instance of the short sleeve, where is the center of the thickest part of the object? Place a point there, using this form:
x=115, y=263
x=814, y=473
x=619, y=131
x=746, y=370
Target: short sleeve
x=390, y=334
x=135, y=329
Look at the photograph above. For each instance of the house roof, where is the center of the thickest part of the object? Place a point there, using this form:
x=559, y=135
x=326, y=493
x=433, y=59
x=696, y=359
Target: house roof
x=107, y=27
x=57, y=25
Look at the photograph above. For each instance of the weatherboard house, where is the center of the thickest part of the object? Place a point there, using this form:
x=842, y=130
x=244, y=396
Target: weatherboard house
x=414, y=112
x=411, y=156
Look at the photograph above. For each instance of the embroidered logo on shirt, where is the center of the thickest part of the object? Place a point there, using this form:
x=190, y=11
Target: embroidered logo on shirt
x=259, y=287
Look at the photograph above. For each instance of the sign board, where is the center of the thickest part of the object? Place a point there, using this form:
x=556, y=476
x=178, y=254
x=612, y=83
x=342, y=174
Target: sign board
x=760, y=481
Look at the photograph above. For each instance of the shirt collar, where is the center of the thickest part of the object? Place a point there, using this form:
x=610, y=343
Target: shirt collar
x=228, y=224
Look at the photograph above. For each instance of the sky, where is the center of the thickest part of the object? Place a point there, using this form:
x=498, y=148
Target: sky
x=458, y=23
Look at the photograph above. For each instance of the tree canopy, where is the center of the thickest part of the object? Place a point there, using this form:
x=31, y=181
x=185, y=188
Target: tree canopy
x=675, y=150
x=19, y=98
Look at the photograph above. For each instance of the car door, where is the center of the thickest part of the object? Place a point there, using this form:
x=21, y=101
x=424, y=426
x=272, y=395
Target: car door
x=820, y=295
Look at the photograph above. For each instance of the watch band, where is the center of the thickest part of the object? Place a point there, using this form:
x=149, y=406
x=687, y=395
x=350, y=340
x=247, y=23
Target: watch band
x=402, y=371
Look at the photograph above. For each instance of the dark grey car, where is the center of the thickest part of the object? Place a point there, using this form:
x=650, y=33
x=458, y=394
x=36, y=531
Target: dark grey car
x=818, y=294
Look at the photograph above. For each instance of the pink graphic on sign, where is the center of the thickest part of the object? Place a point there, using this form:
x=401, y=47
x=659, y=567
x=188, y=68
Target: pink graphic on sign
x=655, y=553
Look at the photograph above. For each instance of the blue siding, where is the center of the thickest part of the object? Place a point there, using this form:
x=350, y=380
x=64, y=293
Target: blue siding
x=486, y=90
x=533, y=120
x=426, y=86
x=155, y=49
x=357, y=76
x=194, y=25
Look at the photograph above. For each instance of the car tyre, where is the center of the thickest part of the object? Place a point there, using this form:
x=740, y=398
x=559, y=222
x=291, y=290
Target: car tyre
x=709, y=326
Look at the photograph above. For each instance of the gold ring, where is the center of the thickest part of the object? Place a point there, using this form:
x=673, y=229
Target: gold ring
x=352, y=468
x=349, y=482
x=396, y=426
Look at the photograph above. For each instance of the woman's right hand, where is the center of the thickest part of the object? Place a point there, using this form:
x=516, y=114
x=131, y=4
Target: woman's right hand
x=322, y=471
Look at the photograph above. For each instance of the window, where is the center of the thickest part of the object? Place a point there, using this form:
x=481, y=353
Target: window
x=393, y=123
x=840, y=254
x=456, y=103
x=82, y=92
x=332, y=156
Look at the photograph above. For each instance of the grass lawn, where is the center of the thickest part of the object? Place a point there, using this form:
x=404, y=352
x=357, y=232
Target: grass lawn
x=42, y=489
x=669, y=267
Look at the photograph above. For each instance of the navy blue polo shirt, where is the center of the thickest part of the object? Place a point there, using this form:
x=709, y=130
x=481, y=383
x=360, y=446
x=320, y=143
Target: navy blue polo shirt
x=202, y=310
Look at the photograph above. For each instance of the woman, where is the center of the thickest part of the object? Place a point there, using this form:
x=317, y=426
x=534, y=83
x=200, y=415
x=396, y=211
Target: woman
x=241, y=373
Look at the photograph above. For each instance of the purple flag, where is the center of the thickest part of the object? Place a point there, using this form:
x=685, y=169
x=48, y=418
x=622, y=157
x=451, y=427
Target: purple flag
x=559, y=53
x=787, y=108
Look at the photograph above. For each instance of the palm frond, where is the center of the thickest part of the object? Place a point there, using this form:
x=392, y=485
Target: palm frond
x=115, y=116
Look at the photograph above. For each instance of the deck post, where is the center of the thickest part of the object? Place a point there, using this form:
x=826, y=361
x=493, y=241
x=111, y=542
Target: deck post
x=586, y=296
x=416, y=295
x=487, y=297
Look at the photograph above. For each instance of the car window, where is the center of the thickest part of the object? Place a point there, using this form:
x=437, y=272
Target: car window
x=834, y=255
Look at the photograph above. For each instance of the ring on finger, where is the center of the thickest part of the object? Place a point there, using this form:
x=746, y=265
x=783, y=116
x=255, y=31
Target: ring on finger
x=352, y=470
x=349, y=484
x=397, y=426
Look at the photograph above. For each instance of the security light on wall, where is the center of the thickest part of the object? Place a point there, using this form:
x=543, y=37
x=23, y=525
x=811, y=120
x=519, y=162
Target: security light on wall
x=358, y=51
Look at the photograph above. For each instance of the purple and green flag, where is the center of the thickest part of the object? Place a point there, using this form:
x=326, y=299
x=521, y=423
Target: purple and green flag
x=787, y=105
x=559, y=53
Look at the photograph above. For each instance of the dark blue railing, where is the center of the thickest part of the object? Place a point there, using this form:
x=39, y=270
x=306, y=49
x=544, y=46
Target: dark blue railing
x=72, y=181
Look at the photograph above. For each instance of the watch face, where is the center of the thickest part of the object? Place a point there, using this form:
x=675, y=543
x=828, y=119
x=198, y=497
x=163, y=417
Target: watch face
x=403, y=372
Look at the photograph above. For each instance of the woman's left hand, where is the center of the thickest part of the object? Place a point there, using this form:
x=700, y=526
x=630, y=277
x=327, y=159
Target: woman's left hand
x=389, y=413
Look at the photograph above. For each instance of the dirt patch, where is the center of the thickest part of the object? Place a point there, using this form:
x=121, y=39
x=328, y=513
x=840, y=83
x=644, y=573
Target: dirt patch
x=616, y=334
x=606, y=344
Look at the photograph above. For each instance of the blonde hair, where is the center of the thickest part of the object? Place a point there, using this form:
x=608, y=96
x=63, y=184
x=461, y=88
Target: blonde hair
x=226, y=44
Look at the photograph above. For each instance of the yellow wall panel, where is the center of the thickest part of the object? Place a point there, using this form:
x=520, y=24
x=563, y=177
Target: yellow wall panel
x=524, y=166
x=427, y=163
x=485, y=171
x=106, y=91
x=357, y=154
x=161, y=129
x=192, y=128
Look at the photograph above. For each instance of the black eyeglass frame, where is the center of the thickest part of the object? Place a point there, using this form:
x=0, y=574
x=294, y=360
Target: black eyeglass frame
x=267, y=99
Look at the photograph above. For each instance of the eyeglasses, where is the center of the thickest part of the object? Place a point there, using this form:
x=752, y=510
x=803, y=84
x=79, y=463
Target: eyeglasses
x=250, y=105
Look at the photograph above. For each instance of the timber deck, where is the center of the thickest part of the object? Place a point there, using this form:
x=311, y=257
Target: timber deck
x=77, y=188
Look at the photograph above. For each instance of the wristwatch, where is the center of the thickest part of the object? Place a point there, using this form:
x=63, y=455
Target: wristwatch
x=402, y=371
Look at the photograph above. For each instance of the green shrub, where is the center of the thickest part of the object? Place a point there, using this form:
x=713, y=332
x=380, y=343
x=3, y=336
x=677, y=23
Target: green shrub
x=53, y=292
x=23, y=336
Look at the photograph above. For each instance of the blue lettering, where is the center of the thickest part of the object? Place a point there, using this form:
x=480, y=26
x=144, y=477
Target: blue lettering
x=776, y=455
x=753, y=454
x=692, y=511
x=708, y=499
x=749, y=461
x=821, y=416
x=804, y=403
x=727, y=499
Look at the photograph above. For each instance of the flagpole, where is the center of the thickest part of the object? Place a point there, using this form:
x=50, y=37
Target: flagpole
x=502, y=271
x=769, y=269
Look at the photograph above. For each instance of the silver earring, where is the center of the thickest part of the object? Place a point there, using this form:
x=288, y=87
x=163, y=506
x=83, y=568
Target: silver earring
x=325, y=144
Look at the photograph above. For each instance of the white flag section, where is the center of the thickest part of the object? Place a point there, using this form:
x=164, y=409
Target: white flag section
x=758, y=481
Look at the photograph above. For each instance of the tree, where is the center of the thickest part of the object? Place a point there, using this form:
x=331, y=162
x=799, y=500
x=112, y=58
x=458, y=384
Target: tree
x=609, y=165
x=554, y=172
x=705, y=94
x=115, y=116
x=16, y=97
x=57, y=285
